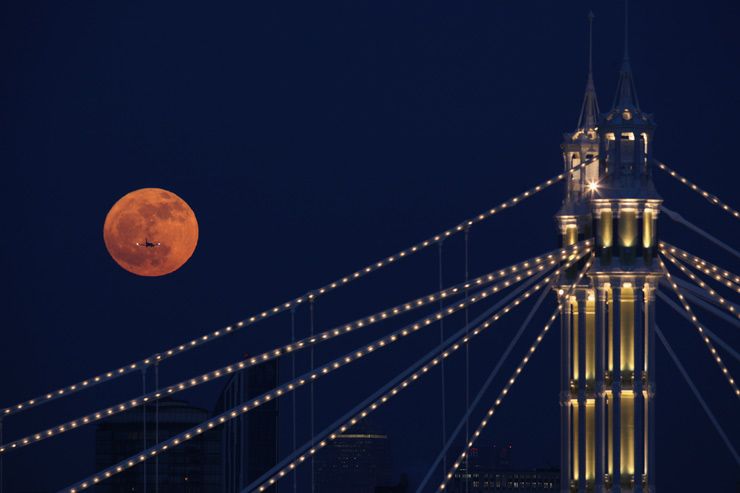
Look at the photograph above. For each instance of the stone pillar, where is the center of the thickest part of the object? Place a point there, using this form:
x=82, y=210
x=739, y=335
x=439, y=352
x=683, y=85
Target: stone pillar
x=581, y=295
x=616, y=387
x=638, y=387
x=650, y=327
x=565, y=362
x=600, y=338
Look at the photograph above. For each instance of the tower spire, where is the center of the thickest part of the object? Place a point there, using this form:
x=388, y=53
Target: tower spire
x=626, y=96
x=590, y=106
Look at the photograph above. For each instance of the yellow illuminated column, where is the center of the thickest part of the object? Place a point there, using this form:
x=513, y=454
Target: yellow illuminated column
x=576, y=355
x=566, y=411
x=590, y=373
x=609, y=401
x=639, y=408
x=599, y=419
x=616, y=384
x=590, y=444
x=648, y=234
x=627, y=334
x=627, y=228
x=605, y=234
x=650, y=417
x=610, y=329
x=570, y=236
x=583, y=431
x=627, y=434
x=627, y=235
x=574, y=438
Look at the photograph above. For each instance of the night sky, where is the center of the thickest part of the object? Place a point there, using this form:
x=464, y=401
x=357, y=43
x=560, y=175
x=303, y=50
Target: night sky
x=311, y=139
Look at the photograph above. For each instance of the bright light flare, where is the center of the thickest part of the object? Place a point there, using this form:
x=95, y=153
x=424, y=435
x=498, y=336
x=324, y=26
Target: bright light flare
x=593, y=186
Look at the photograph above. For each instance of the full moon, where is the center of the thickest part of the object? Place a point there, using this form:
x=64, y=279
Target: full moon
x=150, y=232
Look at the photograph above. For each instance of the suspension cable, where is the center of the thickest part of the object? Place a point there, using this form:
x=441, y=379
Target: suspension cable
x=143, y=414
x=156, y=429
x=302, y=380
x=2, y=477
x=206, y=338
x=443, y=427
x=538, y=264
x=293, y=394
x=708, y=332
x=467, y=364
x=16, y=408
x=697, y=394
x=720, y=274
x=311, y=392
x=392, y=388
x=713, y=199
x=700, y=328
x=252, y=361
x=697, y=280
x=466, y=418
x=700, y=297
x=675, y=216
x=509, y=384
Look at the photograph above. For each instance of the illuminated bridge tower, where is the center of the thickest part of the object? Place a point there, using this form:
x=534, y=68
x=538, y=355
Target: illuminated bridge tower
x=607, y=343
x=578, y=356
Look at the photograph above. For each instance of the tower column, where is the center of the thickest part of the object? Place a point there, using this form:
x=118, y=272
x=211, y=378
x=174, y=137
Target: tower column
x=638, y=387
x=599, y=388
x=581, y=295
x=650, y=326
x=616, y=386
x=565, y=408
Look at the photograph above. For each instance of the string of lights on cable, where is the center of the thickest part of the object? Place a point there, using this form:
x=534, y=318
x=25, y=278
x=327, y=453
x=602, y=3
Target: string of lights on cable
x=519, y=271
x=711, y=292
x=563, y=299
x=300, y=381
x=329, y=437
x=288, y=305
x=693, y=186
x=700, y=328
x=718, y=273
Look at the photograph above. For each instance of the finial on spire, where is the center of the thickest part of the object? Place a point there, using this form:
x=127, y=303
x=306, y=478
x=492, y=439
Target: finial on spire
x=626, y=95
x=626, y=29
x=590, y=106
x=590, y=41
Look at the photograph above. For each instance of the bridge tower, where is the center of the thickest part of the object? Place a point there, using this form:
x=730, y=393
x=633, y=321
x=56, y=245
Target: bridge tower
x=608, y=324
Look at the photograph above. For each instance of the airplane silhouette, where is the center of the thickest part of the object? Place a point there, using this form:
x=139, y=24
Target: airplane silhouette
x=148, y=244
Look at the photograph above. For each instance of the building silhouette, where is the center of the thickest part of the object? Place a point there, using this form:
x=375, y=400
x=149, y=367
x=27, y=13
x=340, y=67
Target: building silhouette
x=249, y=443
x=495, y=480
x=491, y=470
x=358, y=461
x=193, y=467
x=489, y=454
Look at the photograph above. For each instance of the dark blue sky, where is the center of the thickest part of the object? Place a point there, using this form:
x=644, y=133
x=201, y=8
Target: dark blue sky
x=312, y=139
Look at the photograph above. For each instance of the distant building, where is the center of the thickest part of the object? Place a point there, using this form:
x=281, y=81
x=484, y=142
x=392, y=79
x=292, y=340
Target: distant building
x=249, y=443
x=483, y=480
x=358, y=461
x=489, y=454
x=193, y=467
x=491, y=470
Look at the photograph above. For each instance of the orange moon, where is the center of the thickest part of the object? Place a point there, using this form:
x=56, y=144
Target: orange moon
x=150, y=232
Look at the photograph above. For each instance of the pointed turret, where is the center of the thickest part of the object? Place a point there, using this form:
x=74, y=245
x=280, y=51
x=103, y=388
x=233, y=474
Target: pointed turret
x=626, y=135
x=580, y=156
x=590, y=107
x=626, y=95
